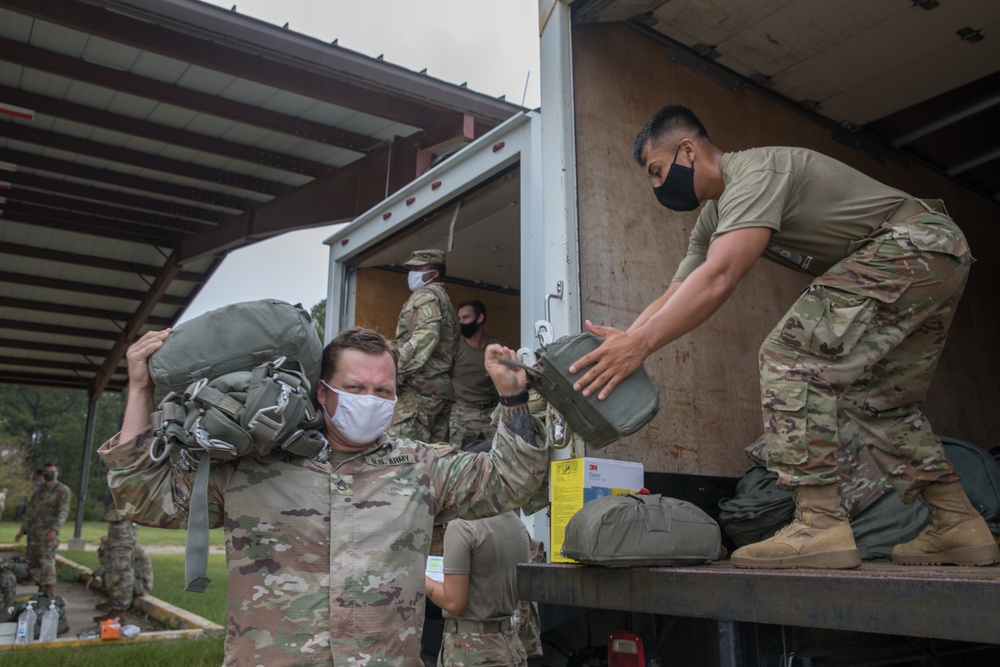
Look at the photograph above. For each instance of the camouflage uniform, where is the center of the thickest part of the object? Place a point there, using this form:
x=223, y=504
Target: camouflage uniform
x=116, y=571
x=428, y=337
x=143, y=569
x=855, y=354
x=47, y=510
x=326, y=559
x=471, y=415
x=526, y=620
x=487, y=551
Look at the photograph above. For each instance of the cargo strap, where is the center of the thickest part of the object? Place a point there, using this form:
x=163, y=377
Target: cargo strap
x=275, y=419
x=474, y=627
x=196, y=548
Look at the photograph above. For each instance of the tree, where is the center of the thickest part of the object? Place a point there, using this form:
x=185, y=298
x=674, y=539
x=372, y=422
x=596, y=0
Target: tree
x=15, y=474
x=49, y=425
x=318, y=313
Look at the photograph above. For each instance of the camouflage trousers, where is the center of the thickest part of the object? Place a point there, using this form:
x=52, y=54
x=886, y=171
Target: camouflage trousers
x=119, y=577
x=420, y=417
x=526, y=619
x=469, y=649
x=854, y=356
x=470, y=423
x=41, y=557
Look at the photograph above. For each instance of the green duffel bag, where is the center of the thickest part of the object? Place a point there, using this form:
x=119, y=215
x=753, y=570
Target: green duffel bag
x=237, y=337
x=641, y=530
x=632, y=404
x=239, y=382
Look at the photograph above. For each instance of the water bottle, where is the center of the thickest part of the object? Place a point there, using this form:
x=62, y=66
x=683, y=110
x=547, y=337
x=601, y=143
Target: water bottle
x=26, y=624
x=50, y=623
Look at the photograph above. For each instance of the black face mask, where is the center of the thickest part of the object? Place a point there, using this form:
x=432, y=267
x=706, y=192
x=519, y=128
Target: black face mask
x=676, y=192
x=48, y=476
x=469, y=330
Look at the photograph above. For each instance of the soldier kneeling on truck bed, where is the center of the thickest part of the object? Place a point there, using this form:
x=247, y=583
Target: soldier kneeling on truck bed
x=851, y=360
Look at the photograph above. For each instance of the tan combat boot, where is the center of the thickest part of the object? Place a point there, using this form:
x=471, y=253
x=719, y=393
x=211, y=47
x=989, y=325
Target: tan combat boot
x=958, y=535
x=819, y=536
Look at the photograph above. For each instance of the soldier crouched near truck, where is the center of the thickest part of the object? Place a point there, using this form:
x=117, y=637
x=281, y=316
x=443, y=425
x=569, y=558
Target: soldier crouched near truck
x=326, y=556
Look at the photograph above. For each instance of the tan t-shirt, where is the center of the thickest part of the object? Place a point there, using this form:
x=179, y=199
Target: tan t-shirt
x=488, y=550
x=817, y=207
x=472, y=382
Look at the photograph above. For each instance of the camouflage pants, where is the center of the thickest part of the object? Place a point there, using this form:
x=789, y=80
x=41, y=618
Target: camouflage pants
x=41, y=557
x=467, y=649
x=470, y=423
x=526, y=620
x=854, y=356
x=420, y=417
x=119, y=578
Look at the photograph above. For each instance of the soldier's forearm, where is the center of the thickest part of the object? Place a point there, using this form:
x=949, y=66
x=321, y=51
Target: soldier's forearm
x=517, y=418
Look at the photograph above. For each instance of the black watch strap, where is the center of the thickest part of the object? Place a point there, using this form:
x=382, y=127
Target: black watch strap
x=516, y=399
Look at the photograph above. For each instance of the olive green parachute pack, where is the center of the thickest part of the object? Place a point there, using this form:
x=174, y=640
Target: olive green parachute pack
x=641, y=530
x=238, y=384
x=632, y=404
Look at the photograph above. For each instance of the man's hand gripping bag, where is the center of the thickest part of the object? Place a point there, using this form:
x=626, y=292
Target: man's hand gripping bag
x=641, y=530
x=238, y=383
x=632, y=404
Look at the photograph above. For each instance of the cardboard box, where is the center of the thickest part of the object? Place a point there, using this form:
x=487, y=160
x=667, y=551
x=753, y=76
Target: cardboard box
x=573, y=482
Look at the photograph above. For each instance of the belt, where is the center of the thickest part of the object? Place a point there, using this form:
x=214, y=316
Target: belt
x=913, y=207
x=479, y=406
x=476, y=627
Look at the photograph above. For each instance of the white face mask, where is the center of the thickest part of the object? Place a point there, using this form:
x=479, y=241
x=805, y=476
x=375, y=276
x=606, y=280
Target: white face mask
x=360, y=418
x=415, y=279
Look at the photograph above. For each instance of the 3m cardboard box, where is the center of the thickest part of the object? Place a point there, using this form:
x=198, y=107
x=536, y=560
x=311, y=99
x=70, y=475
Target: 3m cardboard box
x=573, y=482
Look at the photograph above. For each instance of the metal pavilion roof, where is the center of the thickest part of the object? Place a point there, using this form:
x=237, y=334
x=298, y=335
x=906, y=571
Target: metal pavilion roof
x=142, y=140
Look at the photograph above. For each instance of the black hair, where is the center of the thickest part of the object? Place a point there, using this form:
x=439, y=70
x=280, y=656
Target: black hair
x=668, y=120
x=478, y=307
x=440, y=268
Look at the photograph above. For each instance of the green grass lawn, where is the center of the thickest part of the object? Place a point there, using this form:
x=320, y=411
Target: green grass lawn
x=168, y=585
x=92, y=531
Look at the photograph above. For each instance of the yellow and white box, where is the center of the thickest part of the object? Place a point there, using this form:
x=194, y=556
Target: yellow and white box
x=573, y=482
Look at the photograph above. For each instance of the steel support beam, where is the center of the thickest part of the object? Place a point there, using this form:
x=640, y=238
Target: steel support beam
x=96, y=262
x=940, y=602
x=100, y=151
x=358, y=186
x=178, y=96
x=120, y=179
x=171, y=136
x=171, y=214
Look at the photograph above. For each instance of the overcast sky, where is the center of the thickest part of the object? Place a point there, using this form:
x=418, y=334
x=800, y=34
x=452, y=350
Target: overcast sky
x=490, y=44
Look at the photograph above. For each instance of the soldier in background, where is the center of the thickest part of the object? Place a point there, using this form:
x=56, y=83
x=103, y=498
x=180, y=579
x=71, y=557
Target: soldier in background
x=475, y=395
x=47, y=511
x=427, y=337
x=117, y=571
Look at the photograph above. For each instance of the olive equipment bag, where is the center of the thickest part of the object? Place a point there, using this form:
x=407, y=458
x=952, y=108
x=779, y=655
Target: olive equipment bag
x=632, y=404
x=238, y=383
x=641, y=530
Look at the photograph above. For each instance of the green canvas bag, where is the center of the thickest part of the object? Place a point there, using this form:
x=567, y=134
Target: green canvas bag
x=632, y=404
x=238, y=382
x=641, y=530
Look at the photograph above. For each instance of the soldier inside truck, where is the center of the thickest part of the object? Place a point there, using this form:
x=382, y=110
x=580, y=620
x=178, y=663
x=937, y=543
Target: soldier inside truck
x=851, y=359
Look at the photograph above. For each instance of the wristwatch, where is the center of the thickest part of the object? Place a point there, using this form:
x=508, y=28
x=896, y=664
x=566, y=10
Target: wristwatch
x=515, y=399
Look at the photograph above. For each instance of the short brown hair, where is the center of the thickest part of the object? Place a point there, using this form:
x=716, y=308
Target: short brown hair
x=368, y=341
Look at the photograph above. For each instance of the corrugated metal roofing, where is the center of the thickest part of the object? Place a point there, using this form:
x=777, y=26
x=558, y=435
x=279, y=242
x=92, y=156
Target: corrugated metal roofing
x=166, y=133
